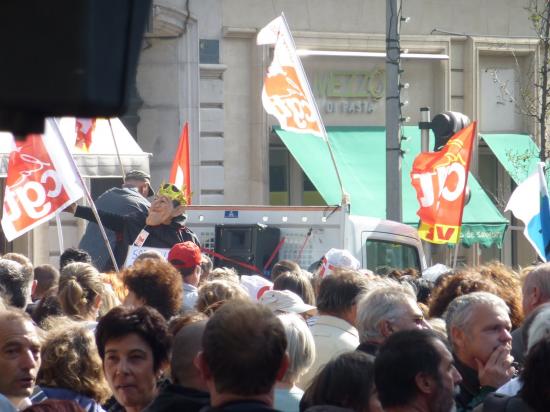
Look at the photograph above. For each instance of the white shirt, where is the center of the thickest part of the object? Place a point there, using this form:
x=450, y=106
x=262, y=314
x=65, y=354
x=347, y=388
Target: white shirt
x=190, y=296
x=333, y=336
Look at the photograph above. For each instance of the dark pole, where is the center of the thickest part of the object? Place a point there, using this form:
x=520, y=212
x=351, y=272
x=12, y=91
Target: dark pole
x=393, y=117
x=544, y=87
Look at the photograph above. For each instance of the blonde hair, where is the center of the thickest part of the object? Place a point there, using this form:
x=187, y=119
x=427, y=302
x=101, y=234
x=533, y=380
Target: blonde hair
x=70, y=360
x=215, y=293
x=79, y=285
x=223, y=273
x=109, y=300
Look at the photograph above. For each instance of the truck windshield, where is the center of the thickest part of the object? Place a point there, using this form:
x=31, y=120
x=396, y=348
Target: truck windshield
x=384, y=256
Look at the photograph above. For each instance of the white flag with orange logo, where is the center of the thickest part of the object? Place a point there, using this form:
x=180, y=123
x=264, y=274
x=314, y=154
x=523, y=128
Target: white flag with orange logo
x=286, y=93
x=42, y=180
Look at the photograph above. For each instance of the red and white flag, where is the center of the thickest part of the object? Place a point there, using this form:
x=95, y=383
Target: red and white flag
x=286, y=93
x=180, y=175
x=84, y=129
x=42, y=180
x=440, y=179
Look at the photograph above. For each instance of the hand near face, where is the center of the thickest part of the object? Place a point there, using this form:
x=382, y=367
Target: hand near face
x=498, y=369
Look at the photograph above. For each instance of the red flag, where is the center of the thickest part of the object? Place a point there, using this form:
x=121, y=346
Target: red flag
x=84, y=130
x=42, y=180
x=439, y=179
x=179, y=175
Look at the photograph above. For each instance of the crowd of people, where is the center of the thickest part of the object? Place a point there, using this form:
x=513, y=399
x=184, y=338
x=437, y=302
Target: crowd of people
x=170, y=332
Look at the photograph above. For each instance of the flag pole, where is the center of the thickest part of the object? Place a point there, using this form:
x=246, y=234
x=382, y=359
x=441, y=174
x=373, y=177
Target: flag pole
x=59, y=233
x=88, y=195
x=117, y=152
x=345, y=195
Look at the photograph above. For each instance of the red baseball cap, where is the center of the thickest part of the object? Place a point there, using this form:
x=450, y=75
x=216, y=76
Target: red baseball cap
x=185, y=255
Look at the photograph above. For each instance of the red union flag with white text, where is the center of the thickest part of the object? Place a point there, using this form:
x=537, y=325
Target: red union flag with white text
x=286, y=94
x=440, y=181
x=42, y=180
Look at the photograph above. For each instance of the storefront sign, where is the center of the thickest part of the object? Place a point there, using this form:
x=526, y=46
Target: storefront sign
x=349, y=92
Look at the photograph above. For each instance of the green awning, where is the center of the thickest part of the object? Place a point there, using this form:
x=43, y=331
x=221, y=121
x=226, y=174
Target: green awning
x=360, y=153
x=517, y=153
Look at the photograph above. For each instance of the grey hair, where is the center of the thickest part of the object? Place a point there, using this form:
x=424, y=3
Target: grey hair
x=382, y=303
x=539, y=277
x=539, y=329
x=300, y=346
x=461, y=308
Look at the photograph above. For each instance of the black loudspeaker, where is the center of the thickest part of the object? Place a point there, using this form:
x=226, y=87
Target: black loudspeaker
x=250, y=244
x=67, y=58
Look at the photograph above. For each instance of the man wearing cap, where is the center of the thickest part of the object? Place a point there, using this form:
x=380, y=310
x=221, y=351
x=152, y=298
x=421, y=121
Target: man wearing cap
x=186, y=257
x=161, y=227
x=130, y=198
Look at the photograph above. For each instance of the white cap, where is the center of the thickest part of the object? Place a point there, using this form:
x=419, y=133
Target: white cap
x=256, y=286
x=338, y=259
x=433, y=272
x=285, y=301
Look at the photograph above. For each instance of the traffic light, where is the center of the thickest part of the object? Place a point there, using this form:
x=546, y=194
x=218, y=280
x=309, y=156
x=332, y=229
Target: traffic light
x=446, y=124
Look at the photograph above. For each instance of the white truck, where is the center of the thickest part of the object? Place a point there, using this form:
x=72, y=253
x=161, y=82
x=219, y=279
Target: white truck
x=308, y=232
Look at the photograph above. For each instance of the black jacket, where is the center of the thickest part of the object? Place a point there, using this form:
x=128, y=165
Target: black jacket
x=129, y=226
x=177, y=398
x=121, y=201
x=471, y=392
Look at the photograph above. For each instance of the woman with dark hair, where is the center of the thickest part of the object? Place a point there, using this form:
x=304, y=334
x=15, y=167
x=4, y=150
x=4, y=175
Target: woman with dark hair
x=134, y=345
x=346, y=382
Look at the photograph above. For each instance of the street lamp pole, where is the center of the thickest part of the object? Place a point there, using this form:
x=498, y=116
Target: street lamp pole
x=393, y=114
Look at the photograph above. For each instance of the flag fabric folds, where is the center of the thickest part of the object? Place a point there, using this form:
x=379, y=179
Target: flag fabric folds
x=42, y=180
x=286, y=93
x=440, y=179
x=84, y=130
x=180, y=172
x=529, y=203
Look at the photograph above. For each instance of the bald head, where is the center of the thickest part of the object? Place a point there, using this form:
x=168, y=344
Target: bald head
x=187, y=344
x=536, y=288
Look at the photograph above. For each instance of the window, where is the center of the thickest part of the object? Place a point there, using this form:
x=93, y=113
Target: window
x=278, y=176
x=383, y=256
x=209, y=51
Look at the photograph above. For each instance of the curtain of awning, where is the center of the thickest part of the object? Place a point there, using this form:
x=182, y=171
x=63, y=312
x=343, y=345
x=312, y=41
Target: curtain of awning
x=360, y=154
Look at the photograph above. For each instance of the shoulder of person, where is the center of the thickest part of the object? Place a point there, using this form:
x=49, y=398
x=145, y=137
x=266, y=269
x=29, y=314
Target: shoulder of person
x=497, y=402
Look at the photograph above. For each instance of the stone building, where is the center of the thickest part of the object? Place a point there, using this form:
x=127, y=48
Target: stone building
x=200, y=63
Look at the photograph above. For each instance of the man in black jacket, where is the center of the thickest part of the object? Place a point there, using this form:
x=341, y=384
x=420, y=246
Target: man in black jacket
x=130, y=198
x=161, y=228
x=188, y=392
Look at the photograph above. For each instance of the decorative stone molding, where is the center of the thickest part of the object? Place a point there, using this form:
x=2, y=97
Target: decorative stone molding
x=212, y=71
x=167, y=22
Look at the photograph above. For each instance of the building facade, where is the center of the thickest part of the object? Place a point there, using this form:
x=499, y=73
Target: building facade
x=200, y=63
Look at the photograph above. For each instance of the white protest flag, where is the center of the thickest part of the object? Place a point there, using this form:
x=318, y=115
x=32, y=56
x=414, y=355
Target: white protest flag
x=42, y=181
x=529, y=203
x=286, y=93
